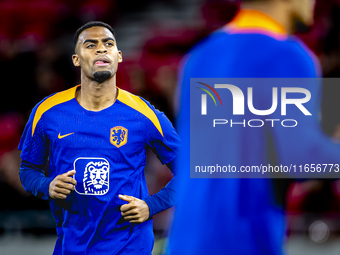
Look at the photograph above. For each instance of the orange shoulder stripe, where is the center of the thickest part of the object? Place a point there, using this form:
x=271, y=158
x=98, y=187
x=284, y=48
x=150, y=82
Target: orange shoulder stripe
x=139, y=105
x=54, y=100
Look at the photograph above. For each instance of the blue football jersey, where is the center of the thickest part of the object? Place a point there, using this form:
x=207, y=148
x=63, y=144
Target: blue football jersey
x=242, y=216
x=107, y=149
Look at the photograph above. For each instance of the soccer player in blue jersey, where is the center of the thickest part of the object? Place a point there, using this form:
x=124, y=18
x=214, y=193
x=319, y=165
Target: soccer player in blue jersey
x=94, y=138
x=246, y=216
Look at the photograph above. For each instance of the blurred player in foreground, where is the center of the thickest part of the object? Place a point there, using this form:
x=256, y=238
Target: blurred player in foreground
x=94, y=137
x=246, y=216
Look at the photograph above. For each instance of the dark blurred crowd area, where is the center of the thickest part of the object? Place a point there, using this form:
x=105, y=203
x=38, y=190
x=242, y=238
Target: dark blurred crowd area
x=36, y=45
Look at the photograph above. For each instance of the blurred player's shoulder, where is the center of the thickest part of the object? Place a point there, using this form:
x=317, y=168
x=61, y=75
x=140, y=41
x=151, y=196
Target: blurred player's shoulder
x=253, y=54
x=303, y=55
x=251, y=45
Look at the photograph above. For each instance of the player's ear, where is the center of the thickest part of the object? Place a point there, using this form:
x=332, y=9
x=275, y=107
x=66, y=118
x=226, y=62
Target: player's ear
x=120, y=57
x=75, y=60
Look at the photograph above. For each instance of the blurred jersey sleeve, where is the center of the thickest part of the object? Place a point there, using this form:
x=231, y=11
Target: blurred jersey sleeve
x=306, y=143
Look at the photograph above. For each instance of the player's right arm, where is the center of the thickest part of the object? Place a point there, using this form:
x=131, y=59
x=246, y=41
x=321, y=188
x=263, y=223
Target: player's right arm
x=62, y=185
x=306, y=143
x=34, y=181
x=34, y=146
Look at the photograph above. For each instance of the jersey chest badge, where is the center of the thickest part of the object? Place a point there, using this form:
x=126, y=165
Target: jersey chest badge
x=118, y=136
x=92, y=176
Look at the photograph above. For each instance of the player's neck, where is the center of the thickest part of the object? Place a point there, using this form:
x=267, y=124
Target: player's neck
x=277, y=10
x=94, y=96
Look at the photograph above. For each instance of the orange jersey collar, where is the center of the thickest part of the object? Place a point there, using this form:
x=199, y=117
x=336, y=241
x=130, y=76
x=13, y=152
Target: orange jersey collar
x=250, y=21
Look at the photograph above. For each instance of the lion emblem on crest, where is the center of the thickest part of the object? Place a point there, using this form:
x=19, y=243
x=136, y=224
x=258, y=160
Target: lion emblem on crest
x=118, y=136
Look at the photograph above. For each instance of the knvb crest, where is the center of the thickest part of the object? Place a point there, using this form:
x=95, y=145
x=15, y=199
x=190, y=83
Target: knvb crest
x=118, y=136
x=92, y=176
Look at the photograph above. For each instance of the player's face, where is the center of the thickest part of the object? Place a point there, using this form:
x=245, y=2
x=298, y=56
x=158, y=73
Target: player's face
x=97, y=51
x=303, y=10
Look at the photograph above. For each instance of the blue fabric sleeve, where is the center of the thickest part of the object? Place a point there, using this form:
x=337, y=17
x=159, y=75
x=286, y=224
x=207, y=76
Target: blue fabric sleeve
x=165, y=198
x=164, y=146
x=33, y=179
x=306, y=143
x=34, y=153
x=34, y=147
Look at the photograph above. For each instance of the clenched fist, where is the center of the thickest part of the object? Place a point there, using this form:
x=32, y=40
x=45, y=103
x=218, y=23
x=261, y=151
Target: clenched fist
x=62, y=185
x=136, y=211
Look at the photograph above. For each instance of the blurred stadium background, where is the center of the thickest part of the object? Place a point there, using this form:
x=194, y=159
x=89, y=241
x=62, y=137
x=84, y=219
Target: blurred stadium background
x=35, y=61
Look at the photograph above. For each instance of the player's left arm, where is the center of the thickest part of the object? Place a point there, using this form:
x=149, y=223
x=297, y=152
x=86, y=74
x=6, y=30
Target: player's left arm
x=138, y=210
x=164, y=142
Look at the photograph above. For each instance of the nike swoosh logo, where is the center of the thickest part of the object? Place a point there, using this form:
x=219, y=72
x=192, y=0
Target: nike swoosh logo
x=62, y=136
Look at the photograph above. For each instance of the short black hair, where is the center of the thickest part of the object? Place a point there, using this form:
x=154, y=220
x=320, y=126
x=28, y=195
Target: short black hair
x=88, y=25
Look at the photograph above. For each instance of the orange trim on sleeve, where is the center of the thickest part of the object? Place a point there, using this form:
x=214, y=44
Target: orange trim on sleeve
x=54, y=100
x=139, y=105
